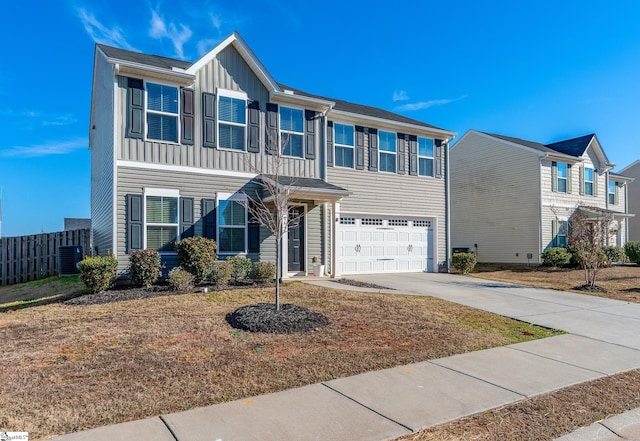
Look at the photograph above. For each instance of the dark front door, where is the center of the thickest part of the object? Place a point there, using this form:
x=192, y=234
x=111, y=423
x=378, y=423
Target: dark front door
x=296, y=239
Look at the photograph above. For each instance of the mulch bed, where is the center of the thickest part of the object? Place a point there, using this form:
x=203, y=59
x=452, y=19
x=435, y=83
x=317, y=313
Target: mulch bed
x=263, y=317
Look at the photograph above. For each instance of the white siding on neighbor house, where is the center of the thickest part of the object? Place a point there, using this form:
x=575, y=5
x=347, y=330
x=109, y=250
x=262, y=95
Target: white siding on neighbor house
x=633, y=171
x=495, y=199
x=102, y=160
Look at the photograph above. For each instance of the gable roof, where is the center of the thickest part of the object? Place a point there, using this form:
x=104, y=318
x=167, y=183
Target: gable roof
x=140, y=58
x=574, y=146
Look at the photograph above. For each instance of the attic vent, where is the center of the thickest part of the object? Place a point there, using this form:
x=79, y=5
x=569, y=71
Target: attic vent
x=288, y=92
x=68, y=259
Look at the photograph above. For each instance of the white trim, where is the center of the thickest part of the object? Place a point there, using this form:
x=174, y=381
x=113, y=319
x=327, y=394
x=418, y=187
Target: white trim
x=116, y=147
x=386, y=152
x=161, y=113
x=352, y=147
x=164, y=192
x=234, y=197
x=432, y=157
x=291, y=133
x=169, y=192
x=238, y=96
x=231, y=93
x=183, y=169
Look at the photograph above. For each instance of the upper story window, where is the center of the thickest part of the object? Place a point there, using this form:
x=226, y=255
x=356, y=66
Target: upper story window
x=562, y=177
x=588, y=181
x=611, y=193
x=162, y=112
x=161, y=221
x=232, y=224
x=425, y=156
x=291, y=131
x=232, y=121
x=387, y=146
x=344, y=145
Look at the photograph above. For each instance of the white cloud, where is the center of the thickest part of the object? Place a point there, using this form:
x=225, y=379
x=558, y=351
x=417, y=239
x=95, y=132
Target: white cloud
x=59, y=120
x=32, y=116
x=47, y=149
x=111, y=35
x=178, y=35
x=400, y=95
x=426, y=104
x=216, y=21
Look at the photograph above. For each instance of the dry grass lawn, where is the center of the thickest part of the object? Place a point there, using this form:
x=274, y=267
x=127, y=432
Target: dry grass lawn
x=67, y=368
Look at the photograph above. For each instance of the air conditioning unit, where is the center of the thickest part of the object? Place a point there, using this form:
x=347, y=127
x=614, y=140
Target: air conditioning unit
x=68, y=259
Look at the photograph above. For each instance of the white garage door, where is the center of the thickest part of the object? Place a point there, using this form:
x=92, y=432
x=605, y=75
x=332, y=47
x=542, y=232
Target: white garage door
x=369, y=245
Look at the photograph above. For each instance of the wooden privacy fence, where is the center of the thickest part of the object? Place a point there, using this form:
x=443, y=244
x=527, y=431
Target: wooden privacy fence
x=26, y=258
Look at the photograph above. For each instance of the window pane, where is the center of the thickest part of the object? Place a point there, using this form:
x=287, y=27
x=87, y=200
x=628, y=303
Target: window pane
x=344, y=157
x=162, y=127
x=562, y=185
x=387, y=162
x=162, y=210
x=162, y=98
x=231, y=137
x=387, y=141
x=588, y=188
x=231, y=109
x=293, y=145
x=425, y=167
x=562, y=170
x=231, y=213
x=425, y=147
x=612, y=187
x=588, y=174
x=231, y=240
x=161, y=238
x=344, y=134
x=291, y=119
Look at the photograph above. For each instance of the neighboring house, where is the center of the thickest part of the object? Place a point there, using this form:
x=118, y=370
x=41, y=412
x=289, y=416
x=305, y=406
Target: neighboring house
x=176, y=147
x=76, y=223
x=633, y=189
x=511, y=199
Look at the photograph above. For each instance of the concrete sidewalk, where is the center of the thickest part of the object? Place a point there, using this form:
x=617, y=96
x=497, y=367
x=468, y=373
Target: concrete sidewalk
x=394, y=402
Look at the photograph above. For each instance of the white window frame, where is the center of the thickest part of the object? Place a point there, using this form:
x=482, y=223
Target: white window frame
x=236, y=95
x=585, y=181
x=147, y=111
x=242, y=199
x=290, y=132
x=611, y=195
x=385, y=152
x=164, y=192
x=565, y=178
x=563, y=226
x=433, y=145
x=337, y=145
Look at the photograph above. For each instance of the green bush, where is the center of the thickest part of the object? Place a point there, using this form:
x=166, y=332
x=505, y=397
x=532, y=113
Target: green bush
x=196, y=255
x=556, y=257
x=145, y=267
x=263, y=271
x=613, y=254
x=98, y=273
x=632, y=250
x=464, y=262
x=221, y=272
x=241, y=267
x=180, y=280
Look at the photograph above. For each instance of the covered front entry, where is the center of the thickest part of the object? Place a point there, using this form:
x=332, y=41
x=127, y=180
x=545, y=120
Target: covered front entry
x=296, y=240
x=377, y=244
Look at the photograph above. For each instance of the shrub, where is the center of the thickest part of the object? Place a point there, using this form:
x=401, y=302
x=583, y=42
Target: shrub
x=613, y=254
x=241, y=267
x=556, y=257
x=263, y=271
x=464, y=262
x=98, y=272
x=180, y=280
x=632, y=250
x=221, y=272
x=196, y=255
x=145, y=267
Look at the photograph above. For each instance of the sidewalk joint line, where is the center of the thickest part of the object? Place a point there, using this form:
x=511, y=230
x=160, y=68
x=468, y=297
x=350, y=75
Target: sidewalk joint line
x=166, y=424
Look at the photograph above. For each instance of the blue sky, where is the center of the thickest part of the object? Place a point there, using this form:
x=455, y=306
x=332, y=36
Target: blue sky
x=542, y=71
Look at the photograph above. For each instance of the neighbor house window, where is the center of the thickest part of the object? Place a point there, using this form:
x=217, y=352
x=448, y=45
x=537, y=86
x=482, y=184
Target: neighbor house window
x=387, y=146
x=588, y=181
x=162, y=112
x=561, y=237
x=562, y=177
x=291, y=131
x=425, y=156
x=161, y=221
x=344, y=145
x=232, y=224
x=612, y=192
x=232, y=120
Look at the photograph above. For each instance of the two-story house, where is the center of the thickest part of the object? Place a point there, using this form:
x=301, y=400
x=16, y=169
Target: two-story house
x=511, y=198
x=177, y=148
x=633, y=171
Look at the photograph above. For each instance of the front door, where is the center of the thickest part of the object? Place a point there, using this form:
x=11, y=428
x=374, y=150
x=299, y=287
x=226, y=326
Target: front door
x=296, y=239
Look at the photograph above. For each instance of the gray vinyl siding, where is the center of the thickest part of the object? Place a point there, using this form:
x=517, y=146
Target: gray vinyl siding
x=315, y=239
x=102, y=161
x=227, y=71
x=633, y=200
x=495, y=200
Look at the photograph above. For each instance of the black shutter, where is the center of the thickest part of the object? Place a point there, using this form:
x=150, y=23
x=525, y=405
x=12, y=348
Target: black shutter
x=402, y=154
x=135, y=108
x=186, y=117
x=209, y=218
x=272, y=128
x=253, y=233
x=310, y=134
x=253, y=140
x=413, y=155
x=330, y=143
x=186, y=217
x=437, y=162
x=373, y=149
x=134, y=222
x=208, y=119
x=359, y=149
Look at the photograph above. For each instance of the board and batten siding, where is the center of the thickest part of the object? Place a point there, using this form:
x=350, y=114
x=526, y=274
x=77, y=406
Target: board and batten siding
x=495, y=199
x=229, y=71
x=102, y=158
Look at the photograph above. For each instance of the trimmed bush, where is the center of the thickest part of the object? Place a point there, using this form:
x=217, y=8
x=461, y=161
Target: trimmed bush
x=221, y=272
x=613, y=254
x=263, y=272
x=98, y=273
x=241, y=267
x=632, y=250
x=196, y=255
x=145, y=267
x=180, y=280
x=556, y=257
x=464, y=262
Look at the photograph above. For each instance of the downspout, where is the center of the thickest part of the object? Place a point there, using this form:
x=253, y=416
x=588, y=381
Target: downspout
x=448, y=203
x=540, y=158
